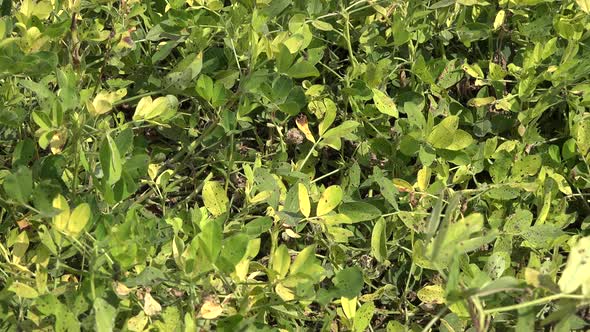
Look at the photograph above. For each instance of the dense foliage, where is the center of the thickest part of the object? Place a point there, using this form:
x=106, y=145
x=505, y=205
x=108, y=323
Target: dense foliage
x=309, y=165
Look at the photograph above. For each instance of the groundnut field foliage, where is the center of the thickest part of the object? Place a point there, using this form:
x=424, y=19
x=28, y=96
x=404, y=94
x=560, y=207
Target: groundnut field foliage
x=294, y=165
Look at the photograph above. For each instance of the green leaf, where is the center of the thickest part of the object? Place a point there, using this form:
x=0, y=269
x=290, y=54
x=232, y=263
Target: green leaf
x=214, y=198
x=104, y=314
x=378, y=241
x=446, y=135
x=359, y=211
x=19, y=185
x=232, y=251
x=110, y=161
x=349, y=281
x=303, y=69
x=329, y=200
x=210, y=239
x=385, y=104
x=577, y=268
x=343, y=129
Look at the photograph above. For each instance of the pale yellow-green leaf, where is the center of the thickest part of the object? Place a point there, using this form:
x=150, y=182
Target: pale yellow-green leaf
x=78, y=219
x=385, y=104
x=303, y=196
x=321, y=25
x=281, y=261
x=329, y=200
x=577, y=268
x=60, y=221
x=305, y=258
x=481, y=101
x=23, y=290
x=584, y=5
x=138, y=322
x=215, y=198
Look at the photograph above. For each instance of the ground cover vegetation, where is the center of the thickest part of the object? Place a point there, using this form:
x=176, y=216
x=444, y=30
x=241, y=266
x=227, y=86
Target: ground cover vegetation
x=291, y=165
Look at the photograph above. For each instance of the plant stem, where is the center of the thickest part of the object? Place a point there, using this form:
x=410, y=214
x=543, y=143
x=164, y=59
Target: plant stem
x=542, y=300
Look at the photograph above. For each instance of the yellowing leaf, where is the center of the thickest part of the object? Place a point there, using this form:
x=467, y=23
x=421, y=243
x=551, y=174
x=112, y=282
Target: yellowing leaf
x=473, y=70
x=303, y=196
x=577, y=268
x=151, y=307
x=499, y=20
x=424, y=178
x=103, y=102
x=284, y=292
x=23, y=290
x=303, y=125
x=163, y=108
x=60, y=221
x=385, y=104
x=214, y=198
x=210, y=309
x=329, y=200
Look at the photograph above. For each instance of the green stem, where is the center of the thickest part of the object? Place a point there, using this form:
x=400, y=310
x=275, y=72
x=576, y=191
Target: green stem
x=542, y=300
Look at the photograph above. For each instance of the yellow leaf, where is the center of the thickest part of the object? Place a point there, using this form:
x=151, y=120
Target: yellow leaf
x=210, y=309
x=302, y=124
x=424, y=178
x=151, y=307
x=103, y=102
x=584, y=5
x=304, y=204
